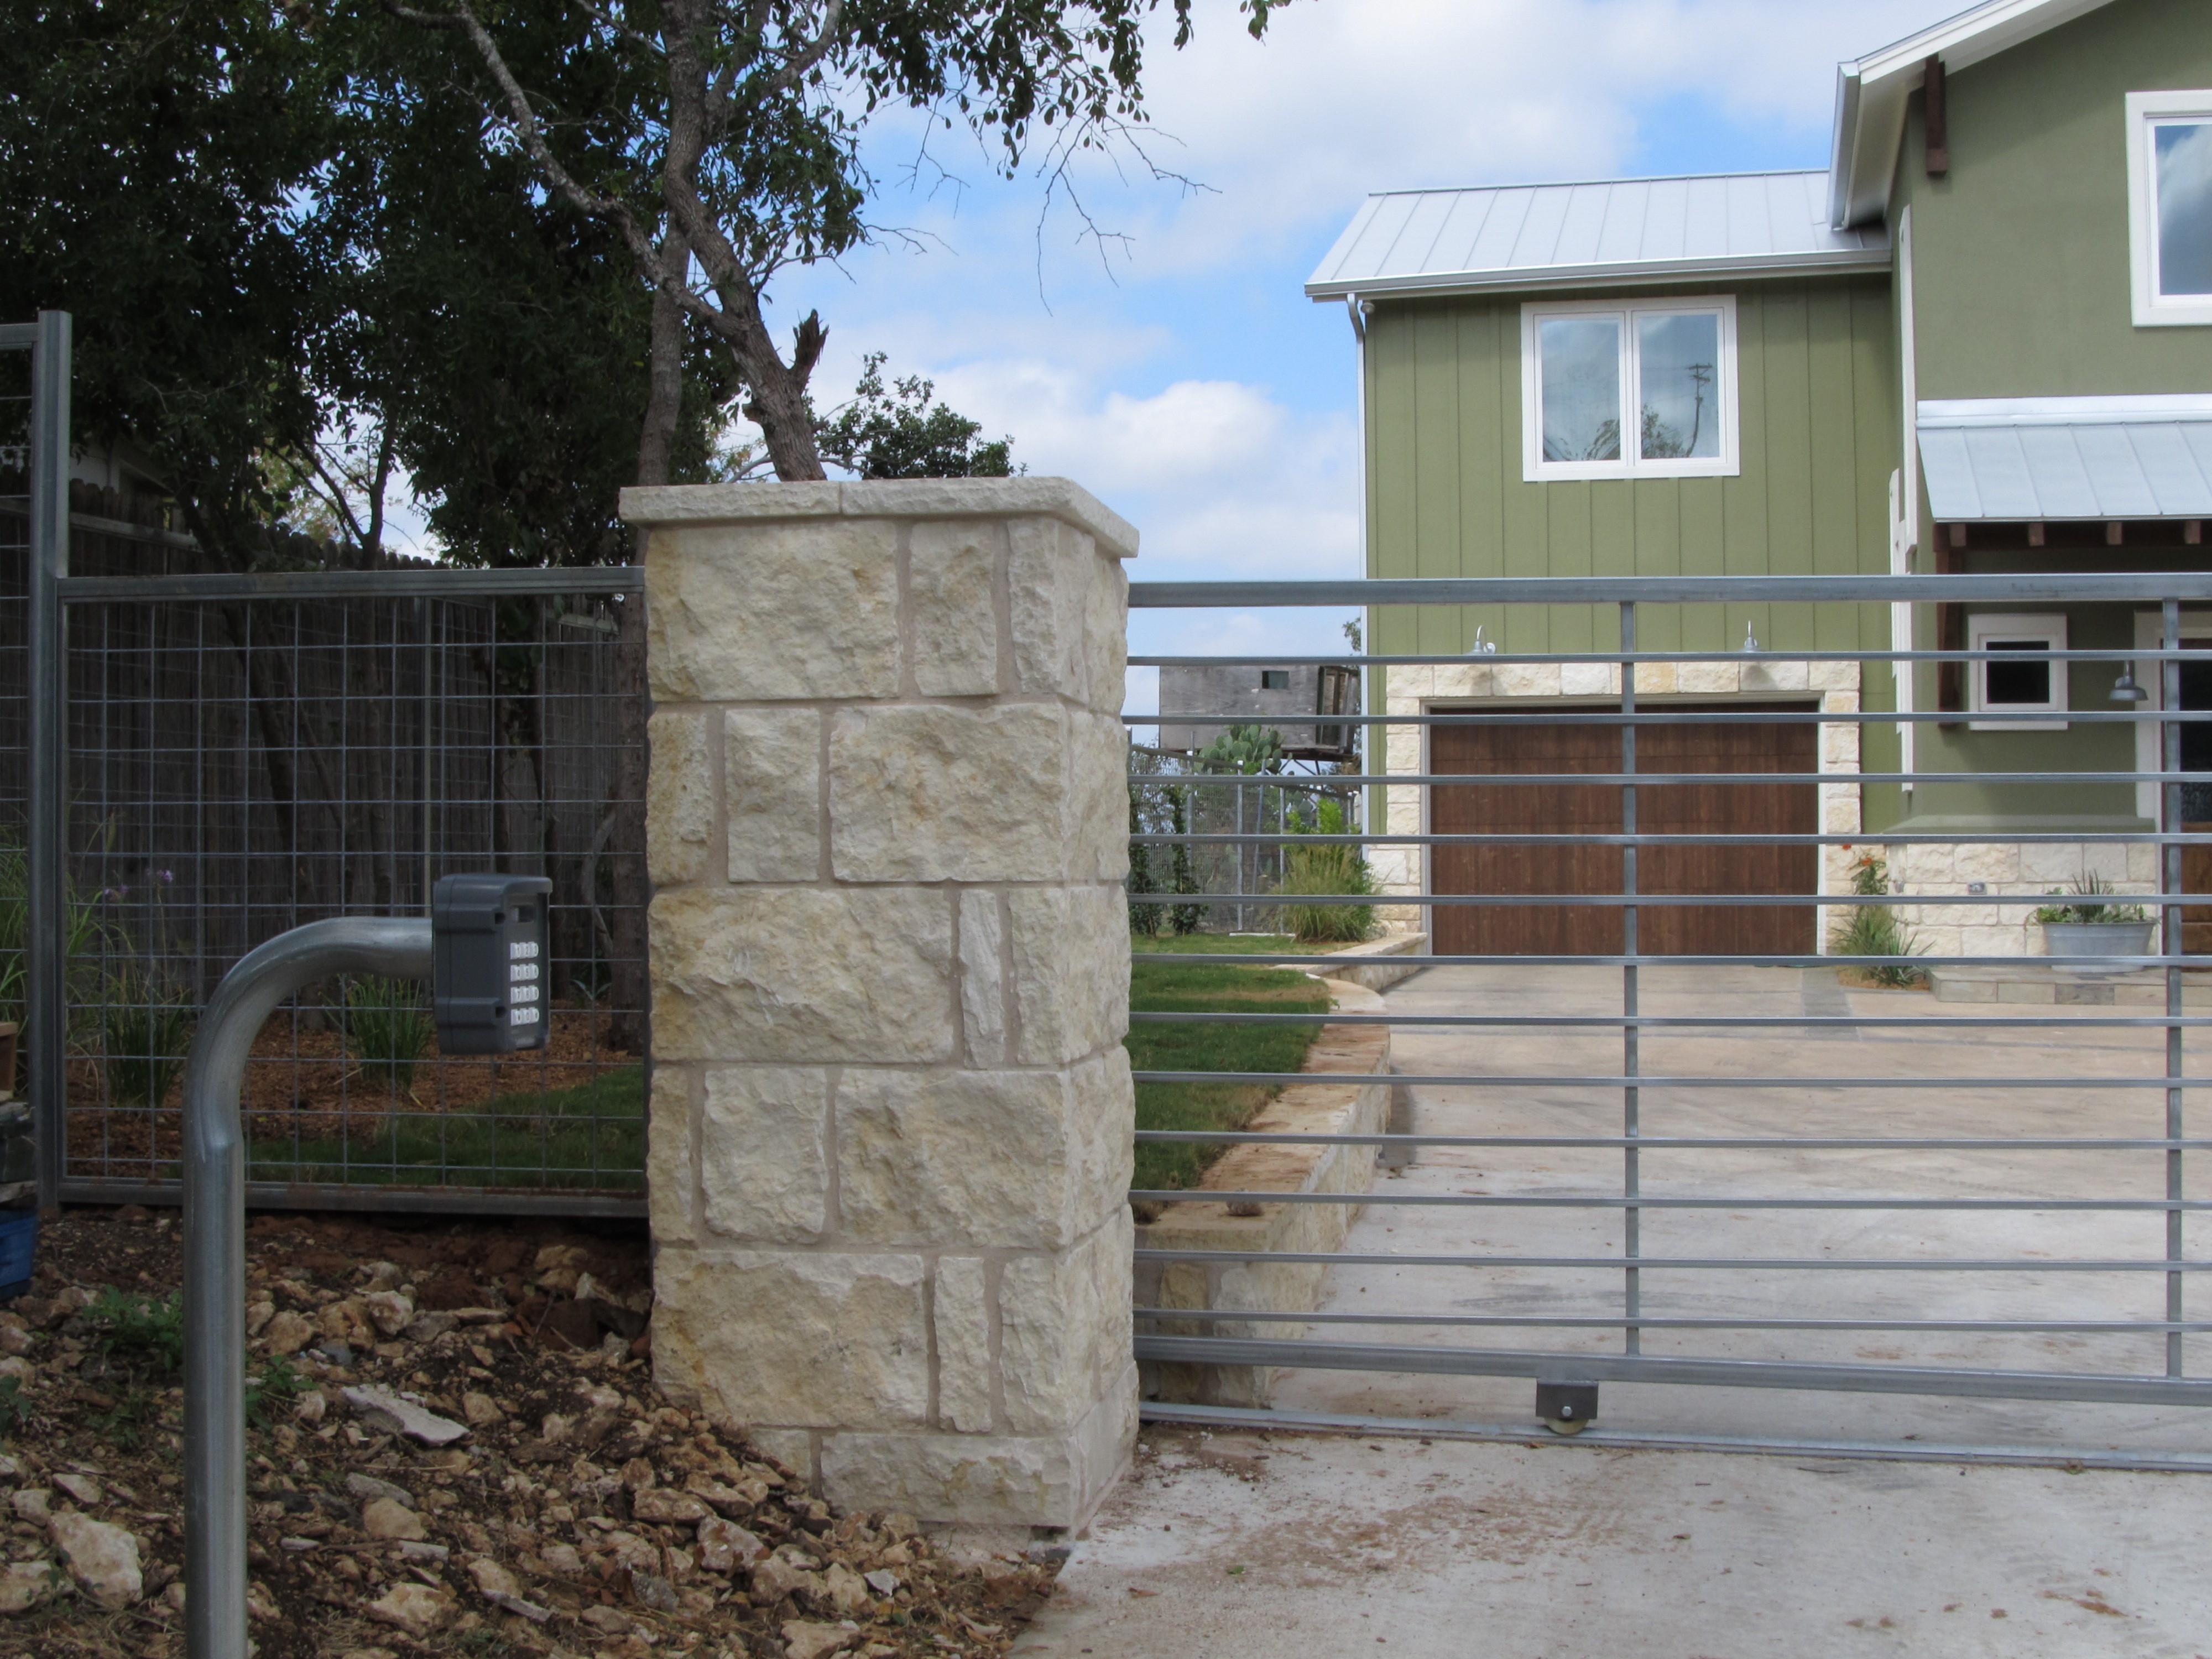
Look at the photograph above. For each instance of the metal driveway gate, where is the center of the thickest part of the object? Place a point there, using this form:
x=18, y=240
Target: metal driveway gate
x=1649, y=1161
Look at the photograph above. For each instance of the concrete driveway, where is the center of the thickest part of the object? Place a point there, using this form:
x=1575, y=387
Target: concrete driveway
x=1289, y=1546
x=2059, y=1046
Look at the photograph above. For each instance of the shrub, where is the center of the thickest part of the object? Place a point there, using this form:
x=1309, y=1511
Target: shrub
x=1332, y=868
x=1875, y=930
x=2094, y=889
x=145, y=1030
x=144, y=1331
x=388, y=1029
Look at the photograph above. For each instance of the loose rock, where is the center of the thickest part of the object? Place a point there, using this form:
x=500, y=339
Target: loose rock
x=101, y=1557
x=417, y=1424
x=803, y=1639
x=415, y=1610
x=382, y=1518
x=24, y=1584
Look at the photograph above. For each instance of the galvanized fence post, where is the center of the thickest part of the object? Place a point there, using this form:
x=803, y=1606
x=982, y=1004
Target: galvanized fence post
x=46, y=900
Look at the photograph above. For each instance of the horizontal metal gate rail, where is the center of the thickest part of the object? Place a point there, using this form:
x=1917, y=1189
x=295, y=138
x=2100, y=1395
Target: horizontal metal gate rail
x=2110, y=1209
x=247, y=751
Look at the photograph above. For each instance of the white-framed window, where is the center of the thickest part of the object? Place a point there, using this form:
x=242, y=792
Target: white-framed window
x=2170, y=207
x=1621, y=389
x=2031, y=683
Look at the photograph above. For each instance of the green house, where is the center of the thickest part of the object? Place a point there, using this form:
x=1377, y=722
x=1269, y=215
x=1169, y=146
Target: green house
x=1980, y=341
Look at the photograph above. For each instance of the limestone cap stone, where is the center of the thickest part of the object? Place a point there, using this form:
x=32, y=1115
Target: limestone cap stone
x=650, y=505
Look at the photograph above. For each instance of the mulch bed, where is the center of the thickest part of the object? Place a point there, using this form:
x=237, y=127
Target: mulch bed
x=583, y=1513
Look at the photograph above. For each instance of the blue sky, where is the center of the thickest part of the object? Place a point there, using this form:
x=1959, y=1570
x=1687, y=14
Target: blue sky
x=1185, y=379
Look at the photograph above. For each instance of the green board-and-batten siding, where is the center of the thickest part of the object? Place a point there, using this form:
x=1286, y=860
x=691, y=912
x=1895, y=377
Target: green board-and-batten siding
x=1817, y=398
x=1817, y=402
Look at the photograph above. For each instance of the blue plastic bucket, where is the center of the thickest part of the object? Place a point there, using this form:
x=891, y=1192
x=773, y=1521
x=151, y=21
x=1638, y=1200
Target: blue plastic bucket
x=19, y=1245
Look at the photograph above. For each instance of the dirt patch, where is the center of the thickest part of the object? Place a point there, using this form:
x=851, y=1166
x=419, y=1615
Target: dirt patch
x=580, y=1511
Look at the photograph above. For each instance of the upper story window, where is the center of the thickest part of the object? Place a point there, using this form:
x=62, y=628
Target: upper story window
x=1274, y=679
x=2170, y=206
x=1610, y=389
x=2030, y=683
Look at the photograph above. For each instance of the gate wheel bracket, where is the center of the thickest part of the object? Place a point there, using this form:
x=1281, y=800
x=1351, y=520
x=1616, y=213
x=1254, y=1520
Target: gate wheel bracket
x=1567, y=1407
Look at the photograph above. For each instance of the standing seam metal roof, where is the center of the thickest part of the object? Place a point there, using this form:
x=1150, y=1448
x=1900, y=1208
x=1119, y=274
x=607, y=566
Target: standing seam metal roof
x=2028, y=459
x=1629, y=230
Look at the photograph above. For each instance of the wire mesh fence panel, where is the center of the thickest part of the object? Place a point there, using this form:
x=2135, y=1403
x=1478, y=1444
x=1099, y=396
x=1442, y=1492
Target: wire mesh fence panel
x=241, y=763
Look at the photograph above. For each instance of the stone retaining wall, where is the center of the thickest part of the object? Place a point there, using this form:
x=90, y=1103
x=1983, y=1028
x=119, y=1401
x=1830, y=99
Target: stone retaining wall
x=891, y=1115
x=1317, y=1108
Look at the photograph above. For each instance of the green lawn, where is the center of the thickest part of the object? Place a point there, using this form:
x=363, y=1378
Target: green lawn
x=1219, y=944
x=1166, y=988
x=590, y=1136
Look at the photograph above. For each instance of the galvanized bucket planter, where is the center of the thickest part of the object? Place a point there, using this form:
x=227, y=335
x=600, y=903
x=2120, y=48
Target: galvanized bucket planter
x=2098, y=938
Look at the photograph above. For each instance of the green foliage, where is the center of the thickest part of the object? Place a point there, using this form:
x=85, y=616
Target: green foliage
x=1201, y=1046
x=2091, y=906
x=145, y=1029
x=388, y=1029
x=900, y=435
x=124, y=1424
x=1182, y=919
x=90, y=935
x=278, y=1383
x=1875, y=930
x=143, y=1332
x=1252, y=750
x=590, y=1136
x=1329, y=868
x=14, y=1410
x=1144, y=919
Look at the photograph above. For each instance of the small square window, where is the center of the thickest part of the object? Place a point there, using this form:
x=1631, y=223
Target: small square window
x=1274, y=679
x=1622, y=391
x=2031, y=682
x=2170, y=206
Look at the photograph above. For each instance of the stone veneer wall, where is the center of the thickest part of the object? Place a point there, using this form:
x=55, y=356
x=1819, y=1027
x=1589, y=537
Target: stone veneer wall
x=1416, y=690
x=891, y=1115
x=2005, y=866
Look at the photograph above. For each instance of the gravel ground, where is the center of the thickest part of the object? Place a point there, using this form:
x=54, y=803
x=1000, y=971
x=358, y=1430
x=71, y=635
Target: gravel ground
x=569, y=1509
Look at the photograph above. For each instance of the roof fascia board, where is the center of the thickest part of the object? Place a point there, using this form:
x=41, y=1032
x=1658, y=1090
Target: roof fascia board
x=1640, y=275
x=1871, y=92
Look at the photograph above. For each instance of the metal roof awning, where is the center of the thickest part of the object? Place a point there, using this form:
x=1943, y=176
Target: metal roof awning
x=2053, y=458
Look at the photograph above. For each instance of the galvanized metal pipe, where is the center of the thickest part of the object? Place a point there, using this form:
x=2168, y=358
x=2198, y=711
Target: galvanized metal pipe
x=46, y=853
x=214, y=1244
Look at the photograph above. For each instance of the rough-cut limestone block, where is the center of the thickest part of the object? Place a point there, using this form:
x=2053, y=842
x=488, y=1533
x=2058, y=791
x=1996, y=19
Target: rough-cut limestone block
x=962, y=1311
x=1099, y=798
x=1401, y=812
x=1986, y=860
x=1839, y=809
x=1070, y=970
x=1021, y=496
x=1457, y=679
x=1064, y=1328
x=982, y=978
x=1402, y=748
x=785, y=611
x=2008, y=939
x=763, y=1156
x=668, y=1170
x=1706, y=679
x=1924, y=866
x=793, y=1448
x=679, y=796
x=987, y=1480
x=1590, y=680
x=803, y=974
x=1975, y=915
x=2143, y=866
x=1050, y=573
x=1937, y=938
x=1839, y=749
x=796, y=1339
x=2107, y=860
x=1831, y=676
x=1397, y=869
x=772, y=794
x=1526, y=679
x=2051, y=863
x=995, y=1159
x=1774, y=677
x=952, y=618
x=1656, y=679
x=930, y=792
x=1840, y=702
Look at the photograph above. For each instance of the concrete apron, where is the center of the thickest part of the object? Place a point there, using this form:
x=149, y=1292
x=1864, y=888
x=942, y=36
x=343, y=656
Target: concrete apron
x=1250, y=1547
x=2048, y=1050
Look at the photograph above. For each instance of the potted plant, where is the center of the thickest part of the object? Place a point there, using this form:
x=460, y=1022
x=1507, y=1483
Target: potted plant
x=2092, y=925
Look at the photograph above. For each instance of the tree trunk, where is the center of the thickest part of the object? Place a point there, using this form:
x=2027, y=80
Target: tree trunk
x=664, y=404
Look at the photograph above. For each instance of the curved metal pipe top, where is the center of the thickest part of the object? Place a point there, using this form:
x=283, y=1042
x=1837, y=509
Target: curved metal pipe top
x=214, y=1244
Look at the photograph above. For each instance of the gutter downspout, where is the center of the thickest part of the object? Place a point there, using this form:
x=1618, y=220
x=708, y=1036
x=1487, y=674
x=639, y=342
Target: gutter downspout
x=1905, y=502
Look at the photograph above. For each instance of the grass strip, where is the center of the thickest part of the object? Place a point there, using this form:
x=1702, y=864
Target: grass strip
x=591, y=1135
x=1168, y=987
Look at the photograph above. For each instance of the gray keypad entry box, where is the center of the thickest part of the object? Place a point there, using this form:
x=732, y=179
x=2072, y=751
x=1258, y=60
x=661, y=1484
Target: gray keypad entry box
x=493, y=983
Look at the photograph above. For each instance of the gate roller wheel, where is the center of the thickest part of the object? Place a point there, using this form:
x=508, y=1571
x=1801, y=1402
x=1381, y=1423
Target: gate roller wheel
x=1567, y=1407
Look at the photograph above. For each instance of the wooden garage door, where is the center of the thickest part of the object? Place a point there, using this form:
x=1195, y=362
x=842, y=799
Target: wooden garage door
x=1749, y=808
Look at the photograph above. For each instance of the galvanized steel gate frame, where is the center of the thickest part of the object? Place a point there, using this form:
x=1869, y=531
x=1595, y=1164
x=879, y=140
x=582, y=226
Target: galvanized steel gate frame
x=2169, y=1384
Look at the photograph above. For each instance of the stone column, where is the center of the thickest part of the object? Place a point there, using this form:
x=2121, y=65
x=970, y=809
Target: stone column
x=891, y=1115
